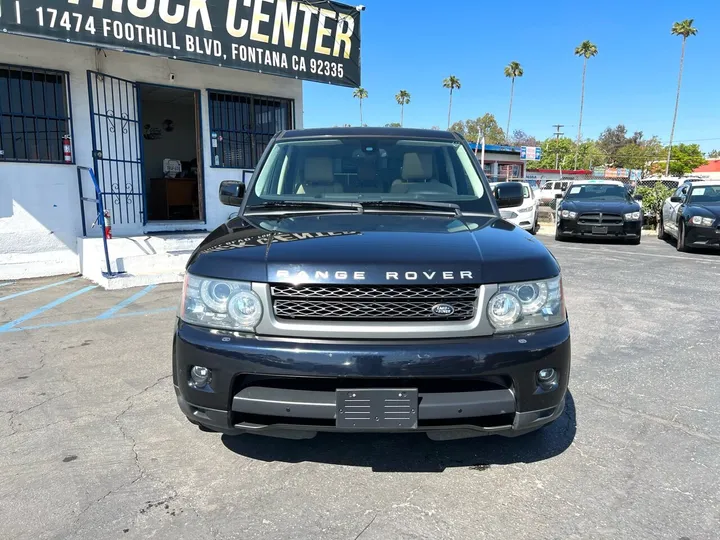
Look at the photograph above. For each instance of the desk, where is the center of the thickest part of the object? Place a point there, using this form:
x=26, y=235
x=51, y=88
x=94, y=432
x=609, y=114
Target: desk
x=173, y=198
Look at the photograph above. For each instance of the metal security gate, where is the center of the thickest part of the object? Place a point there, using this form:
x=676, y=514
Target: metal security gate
x=118, y=147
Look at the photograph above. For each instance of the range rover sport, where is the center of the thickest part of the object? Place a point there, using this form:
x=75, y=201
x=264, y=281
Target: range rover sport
x=369, y=283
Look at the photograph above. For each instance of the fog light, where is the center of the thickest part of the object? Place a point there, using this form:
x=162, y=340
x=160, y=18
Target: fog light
x=547, y=378
x=200, y=376
x=545, y=375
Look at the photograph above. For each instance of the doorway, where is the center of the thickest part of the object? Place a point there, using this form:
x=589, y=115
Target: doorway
x=172, y=153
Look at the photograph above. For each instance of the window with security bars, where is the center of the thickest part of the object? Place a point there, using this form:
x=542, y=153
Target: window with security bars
x=34, y=114
x=242, y=126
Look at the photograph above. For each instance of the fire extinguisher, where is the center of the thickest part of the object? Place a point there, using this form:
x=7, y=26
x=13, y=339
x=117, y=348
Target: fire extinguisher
x=107, y=225
x=67, y=149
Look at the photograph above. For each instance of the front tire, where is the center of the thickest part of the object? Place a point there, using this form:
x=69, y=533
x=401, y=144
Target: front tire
x=535, y=227
x=661, y=234
x=681, y=238
x=634, y=241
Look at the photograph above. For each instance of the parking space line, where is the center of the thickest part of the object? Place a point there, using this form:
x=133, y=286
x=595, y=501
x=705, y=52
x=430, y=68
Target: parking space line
x=7, y=326
x=92, y=319
x=636, y=253
x=7, y=283
x=36, y=289
x=125, y=303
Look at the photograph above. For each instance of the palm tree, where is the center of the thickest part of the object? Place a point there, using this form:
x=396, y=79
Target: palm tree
x=452, y=82
x=361, y=94
x=403, y=98
x=684, y=29
x=512, y=70
x=587, y=50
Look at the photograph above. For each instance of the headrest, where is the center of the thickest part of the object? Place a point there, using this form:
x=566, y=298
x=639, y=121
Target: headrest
x=417, y=166
x=319, y=170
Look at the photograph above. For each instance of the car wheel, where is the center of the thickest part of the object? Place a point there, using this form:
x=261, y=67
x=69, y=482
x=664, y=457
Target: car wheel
x=558, y=236
x=634, y=241
x=535, y=228
x=661, y=234
x=681, y=238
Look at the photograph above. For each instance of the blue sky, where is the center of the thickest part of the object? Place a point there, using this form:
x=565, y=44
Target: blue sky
x=414, y=44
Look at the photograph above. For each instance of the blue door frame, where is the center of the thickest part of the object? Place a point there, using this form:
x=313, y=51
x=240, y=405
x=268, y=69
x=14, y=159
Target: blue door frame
x=115, y=117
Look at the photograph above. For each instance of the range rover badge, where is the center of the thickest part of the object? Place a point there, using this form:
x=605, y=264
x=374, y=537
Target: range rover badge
x=443, y=309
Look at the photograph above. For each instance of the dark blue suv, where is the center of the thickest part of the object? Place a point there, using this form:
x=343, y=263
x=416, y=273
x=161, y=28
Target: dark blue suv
x=368, y=283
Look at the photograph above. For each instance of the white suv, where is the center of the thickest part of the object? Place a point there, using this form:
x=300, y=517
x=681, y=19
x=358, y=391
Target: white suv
x=524, y=216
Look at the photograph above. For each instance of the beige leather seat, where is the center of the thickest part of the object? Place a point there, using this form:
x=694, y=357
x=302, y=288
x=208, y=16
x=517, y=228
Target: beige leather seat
x=417, y=175
x=318, y=177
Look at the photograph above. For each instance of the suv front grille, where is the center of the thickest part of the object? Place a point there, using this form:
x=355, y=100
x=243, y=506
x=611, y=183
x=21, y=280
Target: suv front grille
x=373, y=303
x=597, y=218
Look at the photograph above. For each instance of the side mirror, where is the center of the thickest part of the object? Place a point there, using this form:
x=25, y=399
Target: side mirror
x=559, y=195
x=232, y=192
x=675, y=199
x=638, y=197
x=509, y=194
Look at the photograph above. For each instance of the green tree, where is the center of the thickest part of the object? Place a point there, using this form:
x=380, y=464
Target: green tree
x=360, y=93
x=587, y=50
x=512, y=70
x=564, y=149
x=685, y=29
x=403, y=98
x=714, y=154
x=520, y=138
x=613, y=139
x=393, y=124
x=453, y=83
x=686, y=158
x=485, y=125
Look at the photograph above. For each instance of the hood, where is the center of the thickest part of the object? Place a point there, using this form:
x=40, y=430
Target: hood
x=374, y=249
x=708, y=210
x=611, y=207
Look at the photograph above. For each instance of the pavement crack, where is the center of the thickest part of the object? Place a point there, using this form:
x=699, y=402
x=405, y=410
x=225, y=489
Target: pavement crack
x=366, y=527
x=673, y=423
x=14, y=415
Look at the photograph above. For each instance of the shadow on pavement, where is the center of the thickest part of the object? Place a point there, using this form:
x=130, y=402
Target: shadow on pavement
x=412, y=452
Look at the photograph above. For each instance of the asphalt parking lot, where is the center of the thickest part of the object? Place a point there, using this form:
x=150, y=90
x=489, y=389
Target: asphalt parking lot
x=94, y=446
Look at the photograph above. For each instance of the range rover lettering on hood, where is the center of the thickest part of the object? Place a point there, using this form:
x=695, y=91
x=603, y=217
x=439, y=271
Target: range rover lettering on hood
x=302, y=276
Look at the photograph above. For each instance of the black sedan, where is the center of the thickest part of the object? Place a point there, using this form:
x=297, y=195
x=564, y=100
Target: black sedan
x=599, y=209
x=692, y=216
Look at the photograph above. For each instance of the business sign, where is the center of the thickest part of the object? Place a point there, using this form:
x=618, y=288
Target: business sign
x=531, y=153
x=315, y=41
x=617, y=173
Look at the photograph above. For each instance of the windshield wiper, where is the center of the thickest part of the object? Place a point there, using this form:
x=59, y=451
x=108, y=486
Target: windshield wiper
x=419, y=205
x=310, y=205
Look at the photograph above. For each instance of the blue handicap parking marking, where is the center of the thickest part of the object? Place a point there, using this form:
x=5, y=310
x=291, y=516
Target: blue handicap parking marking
x=42, y=309
x=125, y=303
x=36, y=289
x=7, y=283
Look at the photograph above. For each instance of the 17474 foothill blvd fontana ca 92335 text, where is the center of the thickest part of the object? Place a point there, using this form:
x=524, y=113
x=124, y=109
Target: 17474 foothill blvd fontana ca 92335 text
x=286, y=37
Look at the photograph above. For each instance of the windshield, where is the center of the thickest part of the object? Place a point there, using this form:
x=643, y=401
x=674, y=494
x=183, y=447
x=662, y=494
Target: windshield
x=597, y=192
x=705, y=195
x=361, y=169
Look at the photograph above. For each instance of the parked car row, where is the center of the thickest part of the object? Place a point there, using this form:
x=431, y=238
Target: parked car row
x=525, y=215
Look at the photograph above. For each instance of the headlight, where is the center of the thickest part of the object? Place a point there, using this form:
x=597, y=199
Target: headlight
x=568, y=215
x=524, y=306
x=702, y=221
x=632, y=216
x=220, y=303
x=525, y=210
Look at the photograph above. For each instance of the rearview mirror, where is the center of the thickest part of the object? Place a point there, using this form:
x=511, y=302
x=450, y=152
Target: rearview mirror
x=232, y=192
x=675, y=199
x=509, y=194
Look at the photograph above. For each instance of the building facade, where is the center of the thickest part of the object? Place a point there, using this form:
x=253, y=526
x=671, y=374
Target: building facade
x=159, y=133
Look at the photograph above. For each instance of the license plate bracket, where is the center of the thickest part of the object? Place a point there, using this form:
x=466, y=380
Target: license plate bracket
x=599, y=230
x=376, y=408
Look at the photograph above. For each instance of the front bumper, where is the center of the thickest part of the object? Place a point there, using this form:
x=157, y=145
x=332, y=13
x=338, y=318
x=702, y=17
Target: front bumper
x=699, y=237
x=287, y=387
x=571, y=228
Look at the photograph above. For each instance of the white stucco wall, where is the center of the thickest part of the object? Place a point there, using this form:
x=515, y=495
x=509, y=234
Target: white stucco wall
x=39, y=227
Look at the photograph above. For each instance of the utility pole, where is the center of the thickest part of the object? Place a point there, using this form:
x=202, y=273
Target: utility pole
x=557, y=142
